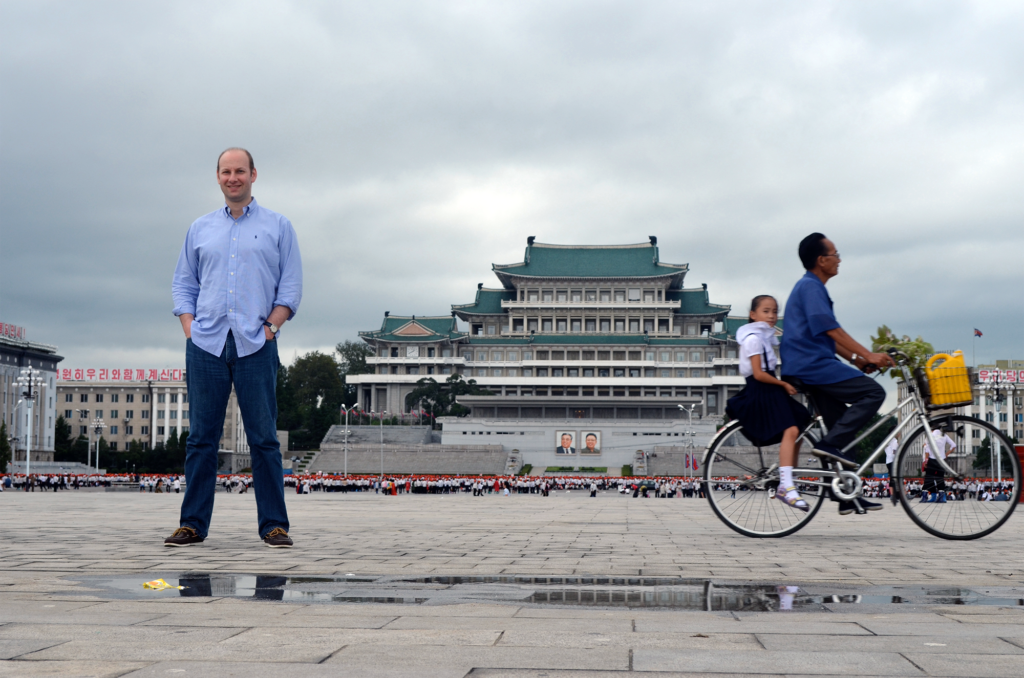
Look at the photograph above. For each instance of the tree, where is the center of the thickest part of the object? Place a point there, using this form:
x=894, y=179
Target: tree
x=352, y=357
x=869, y=444
x=983, y=459
x=62, y=440
x=316, y=382
x=439, y=399
x=288, y=416
x=5, y=447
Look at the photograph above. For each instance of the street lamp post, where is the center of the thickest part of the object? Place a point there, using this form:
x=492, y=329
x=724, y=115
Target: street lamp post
x=347, y=410
x=30, y=380
x=82, y=416
x=690, y=433
x=382, y=413
x=999, y=390
x=97, y=427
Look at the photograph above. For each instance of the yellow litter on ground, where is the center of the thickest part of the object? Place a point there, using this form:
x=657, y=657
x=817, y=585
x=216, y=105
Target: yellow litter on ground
x=160, y=585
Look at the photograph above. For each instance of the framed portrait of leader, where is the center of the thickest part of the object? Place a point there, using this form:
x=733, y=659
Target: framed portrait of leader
x=565, y=442
x=590, y=442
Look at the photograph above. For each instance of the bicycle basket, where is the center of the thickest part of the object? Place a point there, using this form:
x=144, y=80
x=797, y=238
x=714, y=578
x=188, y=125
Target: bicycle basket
x=949, y=381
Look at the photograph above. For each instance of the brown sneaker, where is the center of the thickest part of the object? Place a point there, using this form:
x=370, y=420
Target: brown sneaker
x=278, y=539
x=183, y=536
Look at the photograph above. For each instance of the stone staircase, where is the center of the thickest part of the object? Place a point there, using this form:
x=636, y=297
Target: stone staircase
x=302, y=464
x=513, y=463
x=639, y=463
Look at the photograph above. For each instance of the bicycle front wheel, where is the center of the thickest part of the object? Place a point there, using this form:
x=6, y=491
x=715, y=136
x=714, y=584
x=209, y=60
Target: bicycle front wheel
x=975, y=503
x=740, y=481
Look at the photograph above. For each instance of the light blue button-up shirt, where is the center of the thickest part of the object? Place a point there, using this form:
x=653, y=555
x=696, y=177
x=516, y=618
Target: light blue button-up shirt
x=232, y=273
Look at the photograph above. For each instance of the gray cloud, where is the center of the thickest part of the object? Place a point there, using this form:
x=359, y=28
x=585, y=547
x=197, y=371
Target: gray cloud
x=413, y=144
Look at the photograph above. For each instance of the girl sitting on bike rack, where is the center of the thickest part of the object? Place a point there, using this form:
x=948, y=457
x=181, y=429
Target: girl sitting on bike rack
x=764, y=408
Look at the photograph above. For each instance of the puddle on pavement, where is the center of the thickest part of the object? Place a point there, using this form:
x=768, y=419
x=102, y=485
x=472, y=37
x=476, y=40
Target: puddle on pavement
x=628, y=592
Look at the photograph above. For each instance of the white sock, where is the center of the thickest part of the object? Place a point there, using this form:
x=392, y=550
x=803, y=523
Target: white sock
x=785, y=476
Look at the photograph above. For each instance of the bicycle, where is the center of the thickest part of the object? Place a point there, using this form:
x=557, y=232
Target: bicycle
x=948, y=504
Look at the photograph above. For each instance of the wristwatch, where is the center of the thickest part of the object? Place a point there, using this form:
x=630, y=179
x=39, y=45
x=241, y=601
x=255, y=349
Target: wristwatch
x=274, y=329
x=853, y=357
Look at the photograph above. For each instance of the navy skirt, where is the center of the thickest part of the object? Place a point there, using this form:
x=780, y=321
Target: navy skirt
x=765, y=412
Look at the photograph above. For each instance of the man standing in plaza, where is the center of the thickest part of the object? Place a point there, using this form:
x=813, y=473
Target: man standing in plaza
x=846, y=399
x=238, y=279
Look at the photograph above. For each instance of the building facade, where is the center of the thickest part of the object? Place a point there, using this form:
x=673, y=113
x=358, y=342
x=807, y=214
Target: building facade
x=16, y=353
x=598, y=340
x=143, y=410
x=999, y=396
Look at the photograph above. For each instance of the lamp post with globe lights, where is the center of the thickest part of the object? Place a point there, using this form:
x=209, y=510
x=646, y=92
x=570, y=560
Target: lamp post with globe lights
x=28, y=382
x=348, y=410
x=998, y=389
x=97, y=427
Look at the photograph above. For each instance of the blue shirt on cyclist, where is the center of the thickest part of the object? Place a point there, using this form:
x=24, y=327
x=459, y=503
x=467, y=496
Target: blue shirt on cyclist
x=807, y=351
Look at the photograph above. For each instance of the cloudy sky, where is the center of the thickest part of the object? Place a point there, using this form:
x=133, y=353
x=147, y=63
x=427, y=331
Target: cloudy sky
x=413, y=144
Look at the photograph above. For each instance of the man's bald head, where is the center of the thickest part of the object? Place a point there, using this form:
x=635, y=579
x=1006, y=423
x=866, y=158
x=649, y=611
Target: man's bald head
x=252, y=165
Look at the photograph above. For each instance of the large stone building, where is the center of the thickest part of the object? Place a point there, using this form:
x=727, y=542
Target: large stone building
x=144, y=410
x=601, y=343
x=16, y=353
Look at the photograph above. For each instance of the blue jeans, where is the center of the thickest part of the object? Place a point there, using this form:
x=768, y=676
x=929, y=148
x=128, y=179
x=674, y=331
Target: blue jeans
x=209, y=379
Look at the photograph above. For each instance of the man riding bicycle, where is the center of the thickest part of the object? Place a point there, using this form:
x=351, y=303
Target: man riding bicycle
x=845, y=398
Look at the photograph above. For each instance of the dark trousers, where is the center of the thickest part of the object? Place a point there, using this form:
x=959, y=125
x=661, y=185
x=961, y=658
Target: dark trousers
x=846, y=406
x=209, y=379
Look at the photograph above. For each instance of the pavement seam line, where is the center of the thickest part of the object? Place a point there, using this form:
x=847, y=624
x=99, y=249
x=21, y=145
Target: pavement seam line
x=865, y=628
x=913, y=663
x=1007, y=640
x=630, y=659
x=498, y=639
x=332, y=654
x=18, y=658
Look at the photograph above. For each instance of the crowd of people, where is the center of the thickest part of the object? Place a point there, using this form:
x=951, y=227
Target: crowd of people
x=979, y=489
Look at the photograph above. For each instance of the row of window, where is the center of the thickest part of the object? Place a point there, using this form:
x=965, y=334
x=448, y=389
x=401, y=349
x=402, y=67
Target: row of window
x=609, y=325
x=114, y=414
x=1004, y=417
x=114, y=397
x=684, y=356
x=586, y=372
x=113, y=430
x=591, y=296
x=128, y=397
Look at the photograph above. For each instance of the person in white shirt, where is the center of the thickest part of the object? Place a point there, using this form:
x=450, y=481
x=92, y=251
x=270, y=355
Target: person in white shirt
x=890, y=461
x=934, y=474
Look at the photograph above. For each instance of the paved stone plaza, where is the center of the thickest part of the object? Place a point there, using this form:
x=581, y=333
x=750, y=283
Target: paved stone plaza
x=54, y=624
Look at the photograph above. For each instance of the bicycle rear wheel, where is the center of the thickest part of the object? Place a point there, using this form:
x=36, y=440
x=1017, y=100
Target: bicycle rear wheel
x=740, y=482
x=957, y=509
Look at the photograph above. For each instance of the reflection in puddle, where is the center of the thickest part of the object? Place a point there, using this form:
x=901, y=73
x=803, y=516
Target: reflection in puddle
x=629, y=592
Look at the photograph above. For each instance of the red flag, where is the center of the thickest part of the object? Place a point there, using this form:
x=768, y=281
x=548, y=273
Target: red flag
x=687, y=460
x=695, y=462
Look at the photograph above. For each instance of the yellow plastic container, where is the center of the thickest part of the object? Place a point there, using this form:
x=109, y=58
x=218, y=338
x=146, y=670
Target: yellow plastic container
x=949, y=379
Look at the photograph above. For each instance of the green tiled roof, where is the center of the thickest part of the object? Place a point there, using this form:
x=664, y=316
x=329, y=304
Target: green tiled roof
x=591, y=261
x=488, y=302
x=734, y=323
x=694, y=301
x=439, y=328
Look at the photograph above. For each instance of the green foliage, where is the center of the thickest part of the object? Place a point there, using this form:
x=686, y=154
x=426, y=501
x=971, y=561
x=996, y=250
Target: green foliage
x=984, y=457
x=5, y=447
x=352, y=357
x=438, y=399
x=627, y=470
x=869, y=444
x=312, y=392
x=525, y=471
x=62, y=440
x=918, y=350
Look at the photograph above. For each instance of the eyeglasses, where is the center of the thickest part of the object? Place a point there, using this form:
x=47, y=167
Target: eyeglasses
x=834, y=254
